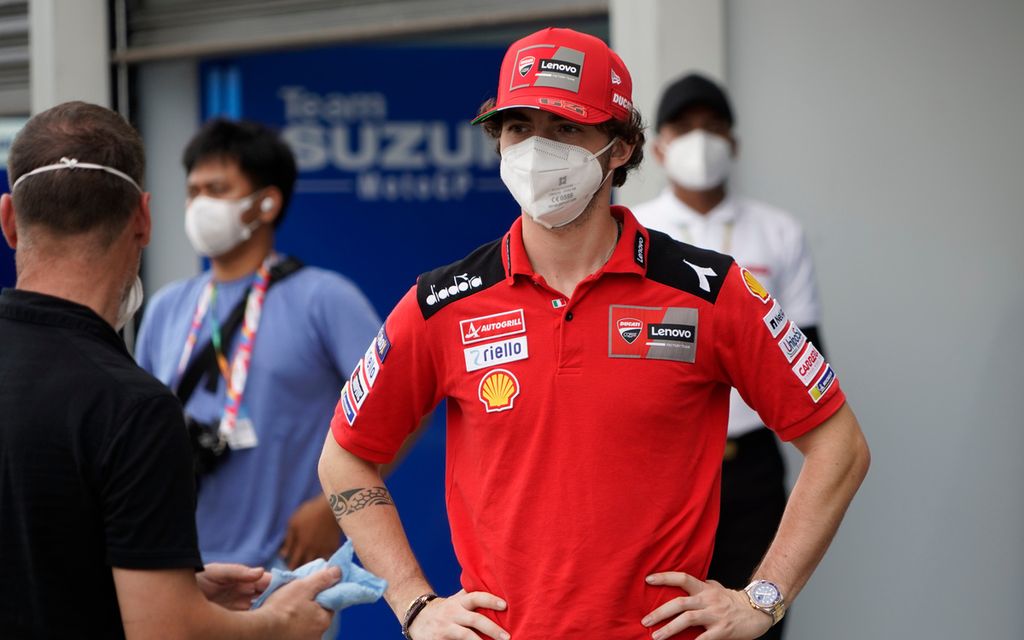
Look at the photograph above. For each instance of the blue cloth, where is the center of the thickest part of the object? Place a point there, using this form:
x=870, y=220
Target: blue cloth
x=357, y=585
x=316, y=325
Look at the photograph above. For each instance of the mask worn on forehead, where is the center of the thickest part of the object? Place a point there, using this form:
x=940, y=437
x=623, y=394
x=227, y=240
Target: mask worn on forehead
x=130, y=304
x=552, y=181
x=215, y=226
x=698, y=160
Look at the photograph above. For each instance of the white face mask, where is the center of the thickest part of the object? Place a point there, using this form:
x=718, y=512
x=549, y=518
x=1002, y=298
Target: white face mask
x=698, y=160
x=552, y=181
x=214, y=226
x=129, y=304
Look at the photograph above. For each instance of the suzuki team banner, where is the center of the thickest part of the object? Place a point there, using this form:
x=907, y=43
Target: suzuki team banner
x=393, y=181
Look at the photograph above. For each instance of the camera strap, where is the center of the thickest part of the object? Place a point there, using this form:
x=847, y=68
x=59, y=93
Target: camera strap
x=205, y=362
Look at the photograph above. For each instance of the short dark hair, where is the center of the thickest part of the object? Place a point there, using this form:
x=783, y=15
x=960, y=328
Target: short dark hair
x=262, y=156
x=630, y=132
x=68, y=201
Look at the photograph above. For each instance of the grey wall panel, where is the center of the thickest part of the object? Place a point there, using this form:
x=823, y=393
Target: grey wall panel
x=893, y=130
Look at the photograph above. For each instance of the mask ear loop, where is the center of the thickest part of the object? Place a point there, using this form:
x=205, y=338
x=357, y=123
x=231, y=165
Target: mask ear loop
x=600, y=153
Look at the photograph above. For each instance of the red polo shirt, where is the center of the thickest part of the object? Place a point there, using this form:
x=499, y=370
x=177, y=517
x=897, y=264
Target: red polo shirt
x=585, y=435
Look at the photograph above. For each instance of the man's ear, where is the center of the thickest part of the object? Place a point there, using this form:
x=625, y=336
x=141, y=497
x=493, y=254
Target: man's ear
x=142, y=220
x=269, y=205
x=619, y=154
x=8, y=221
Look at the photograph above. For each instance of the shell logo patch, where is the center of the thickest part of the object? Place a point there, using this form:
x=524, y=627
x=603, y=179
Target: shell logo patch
x=498, y=390
x=755, y=288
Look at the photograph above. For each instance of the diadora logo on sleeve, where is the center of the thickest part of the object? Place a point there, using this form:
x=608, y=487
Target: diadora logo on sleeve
x=822, y=385
x=792, y=342
x=702, y=275
x=459, y=285
x=671, y=333
x=755, y=288
x=809, y=365
x=629, y=329
x=498, y=390
x=494, y=353
x=496, y=325
x=775, y=319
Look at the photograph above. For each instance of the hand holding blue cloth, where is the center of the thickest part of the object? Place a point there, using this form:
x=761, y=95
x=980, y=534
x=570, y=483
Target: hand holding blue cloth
x=357, y=585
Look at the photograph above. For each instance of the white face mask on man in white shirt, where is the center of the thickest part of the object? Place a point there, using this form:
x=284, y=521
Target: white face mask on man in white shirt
x=698, y=160
x=552, y=181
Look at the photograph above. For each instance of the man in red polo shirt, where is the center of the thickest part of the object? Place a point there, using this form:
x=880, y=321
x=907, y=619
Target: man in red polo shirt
x=587, y=364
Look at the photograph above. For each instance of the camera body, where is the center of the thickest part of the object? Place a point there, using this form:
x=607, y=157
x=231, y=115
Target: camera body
x=209, y=447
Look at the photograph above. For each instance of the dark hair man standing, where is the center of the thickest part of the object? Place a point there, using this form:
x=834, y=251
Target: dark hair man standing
x=270, y=381
x=98, y=535
x=586, y=364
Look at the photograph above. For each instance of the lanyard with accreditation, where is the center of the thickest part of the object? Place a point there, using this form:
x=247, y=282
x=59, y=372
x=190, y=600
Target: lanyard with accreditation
x=237, y=431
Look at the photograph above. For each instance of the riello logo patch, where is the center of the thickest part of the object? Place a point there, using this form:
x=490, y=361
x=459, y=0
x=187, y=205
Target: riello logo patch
x=629, y=329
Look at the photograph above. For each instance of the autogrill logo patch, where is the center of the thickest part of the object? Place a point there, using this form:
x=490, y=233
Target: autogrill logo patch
x=674, y=332
x=629, y=329
x=497, y=325
x=551, y=65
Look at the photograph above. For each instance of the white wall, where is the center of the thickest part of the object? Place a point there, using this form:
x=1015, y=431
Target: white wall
x=895, y=131
x=167, y=116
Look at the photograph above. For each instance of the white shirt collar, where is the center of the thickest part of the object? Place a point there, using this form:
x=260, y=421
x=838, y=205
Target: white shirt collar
x=724, y=213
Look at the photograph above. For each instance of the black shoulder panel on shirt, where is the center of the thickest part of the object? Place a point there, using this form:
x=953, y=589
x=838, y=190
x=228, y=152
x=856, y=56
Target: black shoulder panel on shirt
x=685, y=267
x=479, y=270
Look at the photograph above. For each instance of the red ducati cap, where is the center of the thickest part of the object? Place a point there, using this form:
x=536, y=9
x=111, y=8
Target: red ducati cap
x=569, y=73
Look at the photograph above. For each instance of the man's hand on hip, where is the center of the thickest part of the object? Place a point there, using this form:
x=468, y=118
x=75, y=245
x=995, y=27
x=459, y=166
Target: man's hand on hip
x=453, y=618
x=724, y=613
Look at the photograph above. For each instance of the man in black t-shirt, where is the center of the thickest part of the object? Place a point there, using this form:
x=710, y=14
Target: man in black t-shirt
x=97, y=534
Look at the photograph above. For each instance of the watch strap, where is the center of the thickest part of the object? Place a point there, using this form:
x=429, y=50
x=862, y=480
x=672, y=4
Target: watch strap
x=414, y=610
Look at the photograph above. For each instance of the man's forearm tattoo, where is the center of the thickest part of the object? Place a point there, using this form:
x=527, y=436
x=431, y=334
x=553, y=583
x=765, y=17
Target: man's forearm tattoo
x=348, y=502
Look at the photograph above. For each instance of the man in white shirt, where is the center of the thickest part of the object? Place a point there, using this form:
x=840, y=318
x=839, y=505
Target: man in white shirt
x=696, y=146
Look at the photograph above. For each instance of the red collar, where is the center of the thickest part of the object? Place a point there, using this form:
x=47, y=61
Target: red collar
x=629, y=255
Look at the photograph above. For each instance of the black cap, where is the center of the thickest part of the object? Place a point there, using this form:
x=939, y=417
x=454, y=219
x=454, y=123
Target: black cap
x=688, y=91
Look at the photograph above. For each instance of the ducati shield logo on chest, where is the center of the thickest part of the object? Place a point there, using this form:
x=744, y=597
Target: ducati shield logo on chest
x=629, y=329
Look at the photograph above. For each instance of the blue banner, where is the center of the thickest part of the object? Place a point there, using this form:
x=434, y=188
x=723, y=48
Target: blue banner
x=393, y=181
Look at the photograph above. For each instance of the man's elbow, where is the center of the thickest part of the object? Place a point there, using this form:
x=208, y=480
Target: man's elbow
x=861, y=458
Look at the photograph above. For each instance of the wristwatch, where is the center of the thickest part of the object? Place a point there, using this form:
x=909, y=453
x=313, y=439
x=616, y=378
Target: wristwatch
x=765, y=596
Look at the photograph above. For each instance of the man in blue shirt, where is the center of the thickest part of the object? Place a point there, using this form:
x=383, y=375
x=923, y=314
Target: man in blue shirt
x=276, y=378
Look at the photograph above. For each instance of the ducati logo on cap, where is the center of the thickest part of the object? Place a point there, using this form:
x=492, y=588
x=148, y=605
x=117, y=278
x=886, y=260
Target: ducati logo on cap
x=615, y=77
x=629, y=329
x=525, y=64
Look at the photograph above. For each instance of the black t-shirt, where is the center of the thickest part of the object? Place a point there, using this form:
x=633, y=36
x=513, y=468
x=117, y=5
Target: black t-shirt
x=95, y=471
